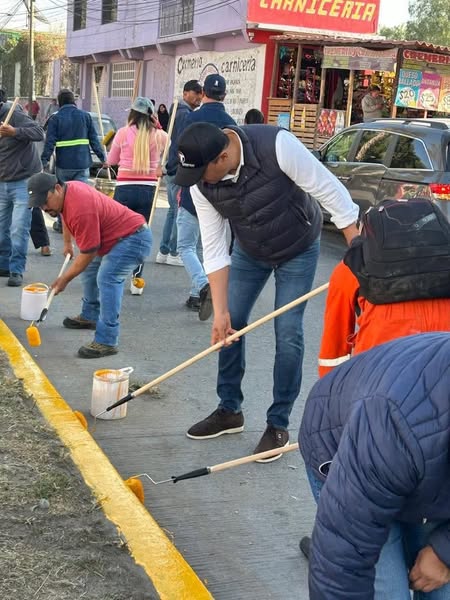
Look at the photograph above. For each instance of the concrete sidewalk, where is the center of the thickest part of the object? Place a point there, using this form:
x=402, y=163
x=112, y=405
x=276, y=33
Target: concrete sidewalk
x=239, y=529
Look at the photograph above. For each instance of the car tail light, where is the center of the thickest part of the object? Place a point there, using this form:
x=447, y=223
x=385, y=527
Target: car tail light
x=441, y=191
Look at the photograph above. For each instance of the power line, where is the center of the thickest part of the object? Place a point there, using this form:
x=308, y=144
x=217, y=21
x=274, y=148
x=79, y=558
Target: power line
x=199, y=9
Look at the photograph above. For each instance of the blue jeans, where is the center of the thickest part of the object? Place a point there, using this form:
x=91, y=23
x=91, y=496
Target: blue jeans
x=246, y=281
x=169, y=234
x=397, y=557
x=15, y=223
x=188, y=238
x=64, y=175
x=138, y=198
x=103, y=284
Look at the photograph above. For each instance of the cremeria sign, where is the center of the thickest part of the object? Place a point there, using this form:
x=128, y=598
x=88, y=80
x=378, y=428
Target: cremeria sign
x=333, y=15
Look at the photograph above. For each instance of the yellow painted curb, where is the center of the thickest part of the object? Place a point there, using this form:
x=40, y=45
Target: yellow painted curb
x=172, y=576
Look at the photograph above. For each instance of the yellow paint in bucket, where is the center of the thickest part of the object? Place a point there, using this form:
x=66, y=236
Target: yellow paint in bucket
x=34, y=298
x=110, y=385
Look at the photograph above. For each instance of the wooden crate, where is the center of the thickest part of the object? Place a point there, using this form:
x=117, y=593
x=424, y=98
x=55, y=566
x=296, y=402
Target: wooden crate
x=305, y=122
x=277, y=106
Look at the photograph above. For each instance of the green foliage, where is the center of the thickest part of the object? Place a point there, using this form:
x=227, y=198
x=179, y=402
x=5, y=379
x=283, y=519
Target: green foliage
x=398, y=32
x=429, y=21
x=47, y=47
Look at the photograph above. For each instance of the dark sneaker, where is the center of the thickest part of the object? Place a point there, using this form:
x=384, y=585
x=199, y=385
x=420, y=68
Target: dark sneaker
x=57, y=227
x=96, y=350
x=219, y=422
x=4, y=272
x=305, y=546
x=206, y=306
x=193, y=303
x=78, y=322
x=272, y=438
x=15, y=280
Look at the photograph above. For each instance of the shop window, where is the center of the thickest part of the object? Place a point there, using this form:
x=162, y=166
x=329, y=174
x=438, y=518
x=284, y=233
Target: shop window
x=79, y=14
x=339, y=149
x=286, y=72
x=373, y=146
x=410, y=154
x=308, y=90
x=109, y=11
x=122, y=79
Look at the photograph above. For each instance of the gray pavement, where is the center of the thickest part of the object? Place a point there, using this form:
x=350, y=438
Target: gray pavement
x=238, y=529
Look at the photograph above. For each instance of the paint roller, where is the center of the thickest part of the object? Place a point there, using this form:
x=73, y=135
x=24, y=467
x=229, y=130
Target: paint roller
x=217, y=346
x=33, y=335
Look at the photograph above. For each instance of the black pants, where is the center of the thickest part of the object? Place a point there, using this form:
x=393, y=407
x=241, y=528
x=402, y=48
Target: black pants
x=38, y=230
x=138, y=198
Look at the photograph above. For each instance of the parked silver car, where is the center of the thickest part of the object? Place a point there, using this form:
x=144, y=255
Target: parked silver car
x=392, y=158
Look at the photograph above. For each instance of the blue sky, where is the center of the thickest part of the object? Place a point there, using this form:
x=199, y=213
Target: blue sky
x=392, y=12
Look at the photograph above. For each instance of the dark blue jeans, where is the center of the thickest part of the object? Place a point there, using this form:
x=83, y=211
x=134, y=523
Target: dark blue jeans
x=138, y=198
x=169, y=235
x=247, y=279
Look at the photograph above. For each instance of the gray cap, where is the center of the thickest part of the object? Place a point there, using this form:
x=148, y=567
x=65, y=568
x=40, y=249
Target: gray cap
x=143, y=105
x=38, y=187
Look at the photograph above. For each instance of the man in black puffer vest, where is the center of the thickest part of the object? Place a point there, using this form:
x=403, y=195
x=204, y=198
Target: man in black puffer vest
x=267, y=184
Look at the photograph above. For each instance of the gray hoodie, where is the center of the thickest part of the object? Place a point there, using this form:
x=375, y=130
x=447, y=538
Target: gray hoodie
x=19, y=156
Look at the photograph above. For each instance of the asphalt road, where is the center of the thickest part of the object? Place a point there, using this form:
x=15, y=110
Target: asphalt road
x=238, y=529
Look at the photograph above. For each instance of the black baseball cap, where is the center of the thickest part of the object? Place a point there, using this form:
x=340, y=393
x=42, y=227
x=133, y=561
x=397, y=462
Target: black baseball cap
x=214, y=86
x=198, y=145
x=193, y=85
x=38, y=187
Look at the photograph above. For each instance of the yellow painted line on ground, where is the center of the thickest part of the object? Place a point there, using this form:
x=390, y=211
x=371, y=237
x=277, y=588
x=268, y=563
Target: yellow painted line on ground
x=172, y=576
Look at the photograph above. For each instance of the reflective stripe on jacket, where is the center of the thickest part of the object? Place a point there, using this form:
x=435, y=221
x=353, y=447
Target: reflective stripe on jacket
x=71, y=131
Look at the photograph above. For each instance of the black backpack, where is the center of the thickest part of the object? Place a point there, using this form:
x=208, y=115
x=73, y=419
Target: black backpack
x=403, y=252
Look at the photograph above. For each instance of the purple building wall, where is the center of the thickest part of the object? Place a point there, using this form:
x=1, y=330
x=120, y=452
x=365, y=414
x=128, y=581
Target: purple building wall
x=134, y=37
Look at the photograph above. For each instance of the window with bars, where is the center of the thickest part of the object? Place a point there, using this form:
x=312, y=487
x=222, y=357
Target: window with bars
x=79, y=14
x=176, y=16
x=109, y=11
x=122, y=79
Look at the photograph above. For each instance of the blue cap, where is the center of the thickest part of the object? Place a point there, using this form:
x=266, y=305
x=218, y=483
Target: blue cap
x=214, y=86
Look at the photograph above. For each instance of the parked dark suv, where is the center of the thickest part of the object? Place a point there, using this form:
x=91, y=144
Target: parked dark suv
x=392, y=158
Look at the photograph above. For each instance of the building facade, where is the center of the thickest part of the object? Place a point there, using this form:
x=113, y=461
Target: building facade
x=151, y=48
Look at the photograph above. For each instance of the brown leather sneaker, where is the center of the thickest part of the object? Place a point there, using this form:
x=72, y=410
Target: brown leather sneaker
x=78, y=322
x=96, y=350
x=219, y=422
x=272, y=438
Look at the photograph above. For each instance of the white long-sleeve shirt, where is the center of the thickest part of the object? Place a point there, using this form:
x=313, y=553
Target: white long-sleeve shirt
x=298, y=163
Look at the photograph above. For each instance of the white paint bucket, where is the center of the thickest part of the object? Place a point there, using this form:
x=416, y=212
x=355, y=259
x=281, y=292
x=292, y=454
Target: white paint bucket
x=108, y=386
x=34, y=298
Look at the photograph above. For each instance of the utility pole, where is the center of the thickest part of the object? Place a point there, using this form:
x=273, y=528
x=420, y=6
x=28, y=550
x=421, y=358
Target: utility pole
x=31, y=57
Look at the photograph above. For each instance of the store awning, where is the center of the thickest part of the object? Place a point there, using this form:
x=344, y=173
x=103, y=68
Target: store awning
x=373, y=43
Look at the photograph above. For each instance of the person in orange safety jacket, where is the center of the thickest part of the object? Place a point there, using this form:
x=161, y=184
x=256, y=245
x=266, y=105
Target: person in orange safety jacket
x=346, y=334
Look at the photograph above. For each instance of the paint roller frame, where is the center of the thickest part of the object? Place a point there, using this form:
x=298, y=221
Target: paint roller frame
x=32, y=332
x=218, y=346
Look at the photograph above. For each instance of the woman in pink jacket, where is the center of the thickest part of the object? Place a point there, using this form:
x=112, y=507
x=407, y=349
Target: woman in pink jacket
x=137, y=149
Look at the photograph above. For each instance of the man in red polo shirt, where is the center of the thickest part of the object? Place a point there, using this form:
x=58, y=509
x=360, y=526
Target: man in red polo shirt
x=112, y=240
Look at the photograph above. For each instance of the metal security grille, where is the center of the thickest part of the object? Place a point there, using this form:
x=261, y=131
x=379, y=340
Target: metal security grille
x=122, y=79
x=176, y=16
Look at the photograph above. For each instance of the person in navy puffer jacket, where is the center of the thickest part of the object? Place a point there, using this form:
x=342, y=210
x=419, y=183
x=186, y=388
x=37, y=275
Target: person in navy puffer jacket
x=376, y=430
